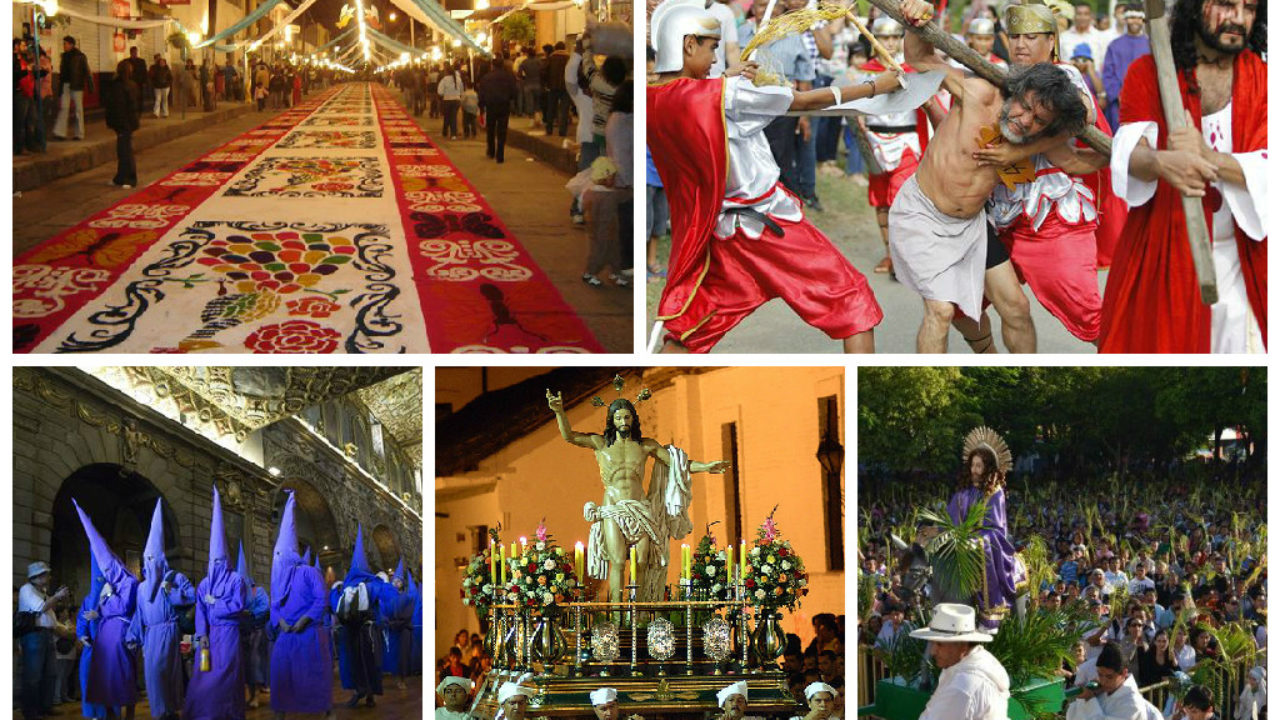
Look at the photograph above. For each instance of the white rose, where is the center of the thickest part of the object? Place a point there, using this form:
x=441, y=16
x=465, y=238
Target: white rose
x=548, y=598
x=716, y=588
x=528, y=580
x=541, y=545
x=487, y=588
x=786, y=565
x=755, y=551
x=549, y=564
x=759, y=594
x=767, y=569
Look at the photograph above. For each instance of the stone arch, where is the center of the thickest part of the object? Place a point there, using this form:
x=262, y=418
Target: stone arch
x=314, y=520
x=388, y=548
x=120, y=503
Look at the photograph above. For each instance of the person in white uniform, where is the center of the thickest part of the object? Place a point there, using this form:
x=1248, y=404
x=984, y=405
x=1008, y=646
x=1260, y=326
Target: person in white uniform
x=455, y=691
x=1115, y=695
x=604, y=702
x=821, y=698
x=973, y=684
x=732, y=701
x=513, y=701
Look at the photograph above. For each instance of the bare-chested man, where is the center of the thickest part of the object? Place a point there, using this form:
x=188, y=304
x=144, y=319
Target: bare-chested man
x=937, y=225
x=628, y=516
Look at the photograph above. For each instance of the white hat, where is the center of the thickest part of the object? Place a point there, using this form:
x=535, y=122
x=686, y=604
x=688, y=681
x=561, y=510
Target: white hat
x=603, y=696
x=981, y=26
x=886, y=26
x=36, y=569
x=738, y=688
x=817, y=687
x=670, y=23
x=461, y=682
x=510, y=690
x=952, y=623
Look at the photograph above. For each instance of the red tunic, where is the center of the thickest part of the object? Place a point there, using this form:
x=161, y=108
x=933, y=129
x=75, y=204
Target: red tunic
x=1152, y=302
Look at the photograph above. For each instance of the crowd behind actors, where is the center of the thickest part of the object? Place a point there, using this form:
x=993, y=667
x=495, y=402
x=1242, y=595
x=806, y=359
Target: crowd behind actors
x=462, y=670
x=1153, y=560
x=214, y=649
x=550, y=86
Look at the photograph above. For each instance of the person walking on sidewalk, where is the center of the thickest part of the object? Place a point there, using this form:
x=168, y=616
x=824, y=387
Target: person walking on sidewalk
x=121, y=102
x=451, y=96
x=74, y=77
x=470, y=109
x=497, y=90
x=161, y=81
x=557, y=113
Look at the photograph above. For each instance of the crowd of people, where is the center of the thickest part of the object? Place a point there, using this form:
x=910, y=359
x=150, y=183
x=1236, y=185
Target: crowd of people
x=461, y=671
x=1155, y=563
x=550, y=88
x=212, y=649
x=1003, y=200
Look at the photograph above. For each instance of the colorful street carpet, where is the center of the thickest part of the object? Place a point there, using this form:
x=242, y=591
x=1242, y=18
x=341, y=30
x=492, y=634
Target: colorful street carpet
x=336, y=226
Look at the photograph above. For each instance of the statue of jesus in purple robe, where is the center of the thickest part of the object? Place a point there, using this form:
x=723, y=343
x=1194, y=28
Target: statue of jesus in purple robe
x=1003, y=571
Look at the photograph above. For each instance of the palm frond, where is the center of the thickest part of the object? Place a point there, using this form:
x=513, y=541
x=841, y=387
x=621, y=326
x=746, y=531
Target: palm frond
x=956, y=552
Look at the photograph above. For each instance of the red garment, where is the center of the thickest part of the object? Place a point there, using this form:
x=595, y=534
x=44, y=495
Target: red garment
x=1152, y=302
x=883, y=187
x=802, y=267
x=922, y=118
x=1059, y=262
x=713, y=284
x=689, y=146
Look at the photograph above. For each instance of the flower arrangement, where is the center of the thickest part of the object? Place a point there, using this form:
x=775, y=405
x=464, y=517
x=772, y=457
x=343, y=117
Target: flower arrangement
x=477, y=586
x=709, y=571
x=774, y=575
x=542, y=576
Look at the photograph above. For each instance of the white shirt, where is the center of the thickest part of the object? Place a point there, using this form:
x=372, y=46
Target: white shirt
x=1086, y=672
x=450, y=87
x=1093, y=37
x=1233, y=328
x=1115, y=580
x=728, y=34
x=32, y=600
x=976, y=688
x=581, y=100
x=1137, y=586
x=619, y=145
x=1186, y=657
x=443, y=714
x=753, y=173
x=1125, y=703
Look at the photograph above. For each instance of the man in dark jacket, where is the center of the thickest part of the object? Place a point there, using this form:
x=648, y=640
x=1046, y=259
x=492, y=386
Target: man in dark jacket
x=557, y=95
x=24, y=109
x=121, y=103
x=161, y=80
x=138, y=71
x=497, y=89
x=74, y=78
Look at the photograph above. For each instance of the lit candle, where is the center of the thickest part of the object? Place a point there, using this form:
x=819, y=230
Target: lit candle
x=742, y=569
x=728, y=565
x=633, y=565
x=514, y=553
x=493, y=563
x=577, y=560
x=502, y=560
x=524, y=542
x=684, y=561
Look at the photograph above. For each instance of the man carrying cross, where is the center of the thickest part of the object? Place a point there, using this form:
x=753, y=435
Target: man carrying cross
x=1152, y=303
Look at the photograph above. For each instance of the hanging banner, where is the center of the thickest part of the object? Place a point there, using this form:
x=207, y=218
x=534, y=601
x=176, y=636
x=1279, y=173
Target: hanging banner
x=117, y=41
x=121, y=9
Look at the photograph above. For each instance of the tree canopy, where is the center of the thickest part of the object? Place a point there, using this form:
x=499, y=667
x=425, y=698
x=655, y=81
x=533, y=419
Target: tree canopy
x=915, y=418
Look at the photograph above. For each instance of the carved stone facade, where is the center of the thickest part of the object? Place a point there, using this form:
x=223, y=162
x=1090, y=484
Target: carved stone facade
x=75, y=436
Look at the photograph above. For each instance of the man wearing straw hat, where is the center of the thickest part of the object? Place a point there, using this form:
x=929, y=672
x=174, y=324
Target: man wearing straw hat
x=732, y=701
x=973, y=684
x=455, y=691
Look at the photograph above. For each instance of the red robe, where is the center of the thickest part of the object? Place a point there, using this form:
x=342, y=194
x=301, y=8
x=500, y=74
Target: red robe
x=1152, y=301
x=690, y=148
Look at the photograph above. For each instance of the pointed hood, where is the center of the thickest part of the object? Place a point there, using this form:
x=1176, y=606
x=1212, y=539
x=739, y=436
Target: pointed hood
x=221, y=576
x=359, y=571
x=315, y=562
x=306, y=556
x=96, y=581
x=285, y=558
x=243, y=567
x=400, y=572
x=108, y=563
x=154, y=564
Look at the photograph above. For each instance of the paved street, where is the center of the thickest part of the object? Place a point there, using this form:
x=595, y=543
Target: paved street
x=336, y=226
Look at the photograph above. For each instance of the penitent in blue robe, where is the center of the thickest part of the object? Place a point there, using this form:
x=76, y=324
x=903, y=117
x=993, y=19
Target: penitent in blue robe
x=113, y=677
x=156, y=622
x=302, y=661
x=218, y=694
x=254, y=643
x=87, y=628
